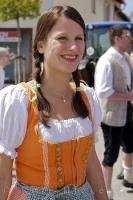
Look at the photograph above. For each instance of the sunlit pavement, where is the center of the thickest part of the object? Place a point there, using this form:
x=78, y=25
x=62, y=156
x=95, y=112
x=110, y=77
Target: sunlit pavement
x=120, y=192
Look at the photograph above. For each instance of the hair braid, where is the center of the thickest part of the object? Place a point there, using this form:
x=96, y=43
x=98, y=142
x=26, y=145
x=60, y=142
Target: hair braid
x=39, y=58
x=42, y=103
x=78, y=103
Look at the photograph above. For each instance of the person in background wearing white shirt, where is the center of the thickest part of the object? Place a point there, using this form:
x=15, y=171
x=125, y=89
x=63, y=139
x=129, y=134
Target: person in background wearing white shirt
x=4, y=60
x=112, y=78
x=127, y=159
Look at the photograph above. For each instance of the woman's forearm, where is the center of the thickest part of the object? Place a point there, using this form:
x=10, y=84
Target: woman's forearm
x=4, y=189
x=95, y=177
x=5, y=176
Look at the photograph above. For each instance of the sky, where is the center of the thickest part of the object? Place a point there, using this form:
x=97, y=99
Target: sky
x=129, y=7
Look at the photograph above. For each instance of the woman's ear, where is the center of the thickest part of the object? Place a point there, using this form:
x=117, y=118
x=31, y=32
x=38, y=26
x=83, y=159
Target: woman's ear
x=40, y=47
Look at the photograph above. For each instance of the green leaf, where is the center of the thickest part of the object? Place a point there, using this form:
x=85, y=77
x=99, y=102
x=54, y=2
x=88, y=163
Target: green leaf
x=13, y=9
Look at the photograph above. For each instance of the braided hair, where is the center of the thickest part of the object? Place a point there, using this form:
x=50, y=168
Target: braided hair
x=45, y=24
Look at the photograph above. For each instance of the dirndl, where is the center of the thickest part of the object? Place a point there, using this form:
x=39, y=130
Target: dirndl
x=70, y=192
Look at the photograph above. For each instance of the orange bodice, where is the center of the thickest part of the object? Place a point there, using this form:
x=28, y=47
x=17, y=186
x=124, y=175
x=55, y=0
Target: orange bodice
x=50, y=165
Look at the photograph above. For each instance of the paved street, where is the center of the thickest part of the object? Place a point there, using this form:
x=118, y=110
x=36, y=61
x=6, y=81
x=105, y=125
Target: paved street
x=120, y=192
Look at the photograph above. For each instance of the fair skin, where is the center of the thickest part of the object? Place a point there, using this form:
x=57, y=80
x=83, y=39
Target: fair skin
x=121, y=44
x=96, y=181
x=4, y=59
x=66, y=48
x=5, y=175
x=63, y=50
x=65, y=45
x=127, y=159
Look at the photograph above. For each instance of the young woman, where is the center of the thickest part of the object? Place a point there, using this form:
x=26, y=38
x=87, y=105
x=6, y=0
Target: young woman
x=47, y=125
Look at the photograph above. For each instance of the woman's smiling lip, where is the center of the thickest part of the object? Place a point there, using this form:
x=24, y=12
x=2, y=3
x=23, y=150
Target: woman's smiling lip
x=70, y=57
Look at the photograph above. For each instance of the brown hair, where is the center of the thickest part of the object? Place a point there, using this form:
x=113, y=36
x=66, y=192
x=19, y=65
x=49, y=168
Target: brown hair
x=116, y=31
x=45, y=24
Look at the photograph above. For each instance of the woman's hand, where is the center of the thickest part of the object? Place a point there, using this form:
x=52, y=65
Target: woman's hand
x=6, y=164
x=95, y=177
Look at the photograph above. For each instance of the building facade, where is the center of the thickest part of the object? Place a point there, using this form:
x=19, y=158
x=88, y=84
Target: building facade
x=91, y=10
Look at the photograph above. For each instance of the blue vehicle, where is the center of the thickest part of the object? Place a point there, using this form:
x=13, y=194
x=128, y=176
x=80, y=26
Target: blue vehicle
x=97, y=43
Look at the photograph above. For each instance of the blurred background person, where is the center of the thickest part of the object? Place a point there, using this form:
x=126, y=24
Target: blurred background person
x=4, y=60
x=127, y=154
x=112, y=80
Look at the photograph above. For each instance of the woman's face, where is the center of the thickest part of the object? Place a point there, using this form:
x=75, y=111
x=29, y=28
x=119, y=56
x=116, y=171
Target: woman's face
x=64, y=47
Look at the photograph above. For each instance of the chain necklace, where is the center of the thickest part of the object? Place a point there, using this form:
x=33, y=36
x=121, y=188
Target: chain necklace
x=63, y=98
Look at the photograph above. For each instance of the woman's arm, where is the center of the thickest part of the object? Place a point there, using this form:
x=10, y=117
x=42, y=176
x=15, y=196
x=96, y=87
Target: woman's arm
x=6, y=164
x=95, y=177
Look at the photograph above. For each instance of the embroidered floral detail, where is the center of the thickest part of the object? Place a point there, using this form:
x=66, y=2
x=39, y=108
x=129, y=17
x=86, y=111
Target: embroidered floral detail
x=59, y=167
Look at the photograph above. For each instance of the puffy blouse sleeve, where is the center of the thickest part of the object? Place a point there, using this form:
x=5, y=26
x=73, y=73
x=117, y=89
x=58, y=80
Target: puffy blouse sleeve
x=95, y=107
x=13, y=119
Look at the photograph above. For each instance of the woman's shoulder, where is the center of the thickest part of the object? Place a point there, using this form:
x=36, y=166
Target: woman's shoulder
x=89, y=91
x=11, y=93
x=13, y=118
x=94, y=103
x=91, y=95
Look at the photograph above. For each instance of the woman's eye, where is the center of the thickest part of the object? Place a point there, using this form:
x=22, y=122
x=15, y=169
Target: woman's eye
x=79, y=38
x=62, y=38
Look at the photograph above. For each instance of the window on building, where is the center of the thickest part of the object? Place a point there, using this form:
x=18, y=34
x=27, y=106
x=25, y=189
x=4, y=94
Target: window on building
x=93, y=6
x=106, y=10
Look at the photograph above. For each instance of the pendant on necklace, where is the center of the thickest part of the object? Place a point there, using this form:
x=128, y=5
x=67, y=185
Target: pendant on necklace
x=63, y=99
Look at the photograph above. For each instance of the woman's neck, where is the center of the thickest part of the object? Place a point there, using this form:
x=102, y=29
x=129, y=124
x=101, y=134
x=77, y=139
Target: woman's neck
x=61, y=93
x=120, y=50
x=60, y=86
x=56, y=89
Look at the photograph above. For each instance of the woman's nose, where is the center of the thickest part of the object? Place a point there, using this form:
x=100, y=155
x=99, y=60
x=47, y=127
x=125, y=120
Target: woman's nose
x=73, y=45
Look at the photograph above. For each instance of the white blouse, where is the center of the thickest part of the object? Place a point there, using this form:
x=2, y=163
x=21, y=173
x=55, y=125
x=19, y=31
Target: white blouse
x=14, y=115
x=104, y=75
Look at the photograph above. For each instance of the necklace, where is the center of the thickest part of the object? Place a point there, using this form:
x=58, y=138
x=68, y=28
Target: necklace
x=62, y=97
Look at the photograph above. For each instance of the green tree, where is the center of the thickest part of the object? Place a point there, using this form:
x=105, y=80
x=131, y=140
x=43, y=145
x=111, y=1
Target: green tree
x=16, y=9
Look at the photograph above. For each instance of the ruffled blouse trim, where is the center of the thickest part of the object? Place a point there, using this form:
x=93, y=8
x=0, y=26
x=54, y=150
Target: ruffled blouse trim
x=5, y=150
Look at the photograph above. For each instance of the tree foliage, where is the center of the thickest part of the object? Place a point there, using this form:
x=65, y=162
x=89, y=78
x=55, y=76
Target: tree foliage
x=14, y=9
